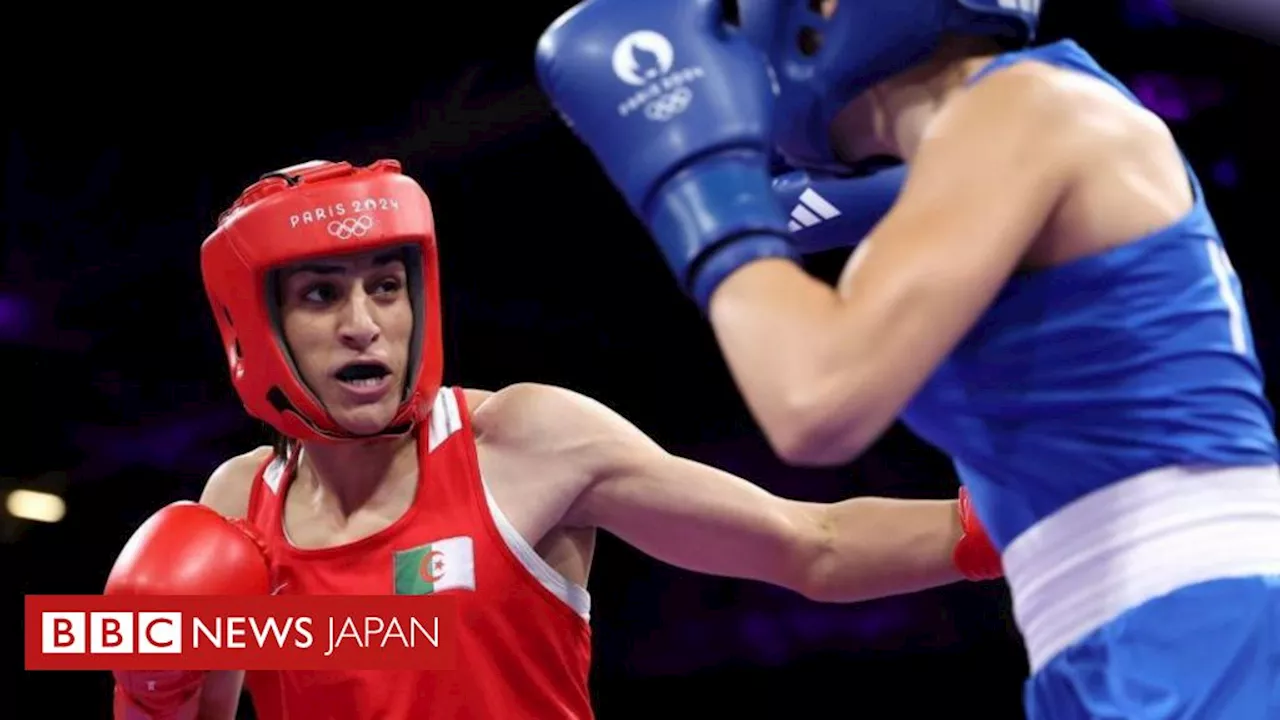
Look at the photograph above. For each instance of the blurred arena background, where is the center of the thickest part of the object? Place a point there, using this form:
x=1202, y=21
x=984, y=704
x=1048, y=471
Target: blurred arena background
x=127, y=134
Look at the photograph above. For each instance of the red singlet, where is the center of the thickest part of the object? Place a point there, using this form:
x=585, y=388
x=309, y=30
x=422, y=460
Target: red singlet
x=525, y=643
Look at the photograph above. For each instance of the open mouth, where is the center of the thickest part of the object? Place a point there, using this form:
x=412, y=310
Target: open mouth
x=362, y=374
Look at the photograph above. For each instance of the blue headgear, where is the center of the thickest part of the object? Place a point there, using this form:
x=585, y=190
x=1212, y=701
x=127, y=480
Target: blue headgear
x=823, y=63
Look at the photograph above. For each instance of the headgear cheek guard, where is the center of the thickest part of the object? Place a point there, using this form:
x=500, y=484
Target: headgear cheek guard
x=310, y=211
x=823, y=63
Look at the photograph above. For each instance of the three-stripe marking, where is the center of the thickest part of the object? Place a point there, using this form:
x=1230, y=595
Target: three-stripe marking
x=811, y=210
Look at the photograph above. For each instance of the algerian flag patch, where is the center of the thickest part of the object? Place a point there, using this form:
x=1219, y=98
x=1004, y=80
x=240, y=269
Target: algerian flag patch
x=441, y=565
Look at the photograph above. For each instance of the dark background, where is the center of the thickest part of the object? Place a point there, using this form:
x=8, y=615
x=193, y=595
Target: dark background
x=125, y=136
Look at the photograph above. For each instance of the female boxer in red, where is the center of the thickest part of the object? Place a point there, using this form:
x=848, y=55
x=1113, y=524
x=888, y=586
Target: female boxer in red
x=323, y=279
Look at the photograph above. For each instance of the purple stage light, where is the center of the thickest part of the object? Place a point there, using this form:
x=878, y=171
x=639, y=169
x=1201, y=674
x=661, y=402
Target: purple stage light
x=1163, y=95
x=1225, y=173
x=15, y=317
x=1149, y=13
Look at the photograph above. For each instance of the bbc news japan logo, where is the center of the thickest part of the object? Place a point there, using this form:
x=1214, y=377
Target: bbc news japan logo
x=410, y=631
x=111, y=632
x=146, y=633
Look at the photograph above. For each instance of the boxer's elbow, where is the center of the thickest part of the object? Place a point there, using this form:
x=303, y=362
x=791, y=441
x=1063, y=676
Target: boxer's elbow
x=819, y=425
x=816, y=579
x=811, y=446
x=827, y=572
x=810, y=546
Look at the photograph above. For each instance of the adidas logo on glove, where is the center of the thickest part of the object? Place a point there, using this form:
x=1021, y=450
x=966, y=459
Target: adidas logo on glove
x=811, y=209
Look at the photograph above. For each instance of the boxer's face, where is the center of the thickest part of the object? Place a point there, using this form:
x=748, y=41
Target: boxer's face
x=348, y=322
x=855, y=130
x=859, y=130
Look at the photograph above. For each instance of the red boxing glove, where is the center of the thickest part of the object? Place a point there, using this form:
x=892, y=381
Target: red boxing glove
x=974, y=556
x=189, y=549
x=183, y=549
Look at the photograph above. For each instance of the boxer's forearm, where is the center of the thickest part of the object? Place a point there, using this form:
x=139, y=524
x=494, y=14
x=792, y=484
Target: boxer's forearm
x=878, y=547
x=786, y=341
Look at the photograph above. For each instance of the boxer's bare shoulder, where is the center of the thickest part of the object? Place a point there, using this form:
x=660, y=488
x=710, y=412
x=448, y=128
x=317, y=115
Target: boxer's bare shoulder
x=545, y=420
x=475, y=398
x=1122, y=175
x=227, y=489
x=536, y=445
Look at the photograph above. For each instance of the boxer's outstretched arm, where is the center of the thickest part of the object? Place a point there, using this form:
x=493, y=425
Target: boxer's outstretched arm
x=706, y=520
x=825, y=371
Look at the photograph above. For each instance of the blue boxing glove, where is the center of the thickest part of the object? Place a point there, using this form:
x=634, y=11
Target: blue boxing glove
x=676, y=107
x=830, y=211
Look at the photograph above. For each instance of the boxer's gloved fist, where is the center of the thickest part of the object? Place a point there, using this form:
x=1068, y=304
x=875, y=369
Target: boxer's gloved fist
x=975, y=557
x=183, y=549
x=676, y=107
x=831, y=211
x=190, y=549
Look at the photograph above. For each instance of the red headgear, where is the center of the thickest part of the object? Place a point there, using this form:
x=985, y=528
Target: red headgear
x=309, y=211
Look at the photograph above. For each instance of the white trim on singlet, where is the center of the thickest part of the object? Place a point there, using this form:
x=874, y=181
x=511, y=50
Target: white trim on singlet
x=570, y=593
x=1136, y=540
x=274, y=473
x=446, y=419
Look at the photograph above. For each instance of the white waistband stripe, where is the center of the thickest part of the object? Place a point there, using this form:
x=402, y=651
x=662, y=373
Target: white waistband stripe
x=1136, y=540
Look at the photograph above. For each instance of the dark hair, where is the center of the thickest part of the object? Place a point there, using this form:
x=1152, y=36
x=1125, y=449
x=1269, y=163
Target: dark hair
x=281, y=445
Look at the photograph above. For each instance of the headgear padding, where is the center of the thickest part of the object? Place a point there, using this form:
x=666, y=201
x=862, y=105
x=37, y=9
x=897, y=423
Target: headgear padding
x=823, y=63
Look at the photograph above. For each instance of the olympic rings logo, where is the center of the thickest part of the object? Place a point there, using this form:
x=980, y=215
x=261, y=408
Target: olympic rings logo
x=347, y=228
x=670, y=105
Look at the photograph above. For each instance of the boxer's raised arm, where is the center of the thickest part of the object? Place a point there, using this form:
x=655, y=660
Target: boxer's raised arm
x=826, y=372
x=211, y=695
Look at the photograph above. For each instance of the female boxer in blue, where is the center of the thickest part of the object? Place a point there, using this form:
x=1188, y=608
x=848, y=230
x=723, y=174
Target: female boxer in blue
x=1047, y=300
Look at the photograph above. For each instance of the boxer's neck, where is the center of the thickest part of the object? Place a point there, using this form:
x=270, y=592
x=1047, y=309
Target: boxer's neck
x=350, y=474
x=892, y=117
